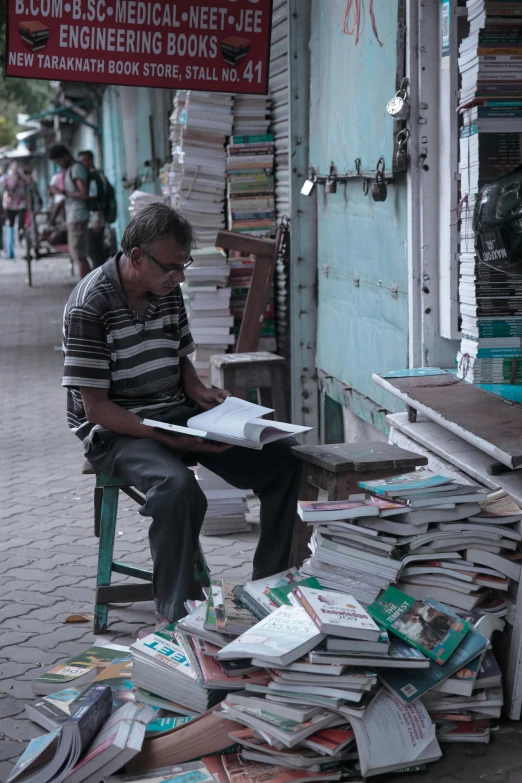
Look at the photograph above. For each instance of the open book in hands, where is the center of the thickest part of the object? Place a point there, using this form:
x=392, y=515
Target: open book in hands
x=234, y=421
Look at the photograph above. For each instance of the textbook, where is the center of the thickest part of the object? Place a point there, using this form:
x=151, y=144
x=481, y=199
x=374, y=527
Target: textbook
x=232, y=617
x=410, y=685
x=313, y=511
x=234, y=421
x=337, y=614
x=392, y=735
x=282, y=637
x=78, y=671
x=280, y=595
x=255, y=595
x=54, y=756
x=417, y=480
x=426, y=624
x=399, y=656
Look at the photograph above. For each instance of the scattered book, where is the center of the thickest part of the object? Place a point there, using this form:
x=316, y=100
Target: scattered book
x=424, y=624
x=399, y=655
x=280, y=595
x=232, y=617
x=313, y=511
x=78, y=671
x=190, y=772
x=337, y=614
x=386, y=739
x=282, y=637
x=56, y=754
x=411, y=685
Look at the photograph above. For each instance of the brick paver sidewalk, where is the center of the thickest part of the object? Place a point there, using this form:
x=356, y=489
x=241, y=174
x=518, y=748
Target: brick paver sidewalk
x=49, y=553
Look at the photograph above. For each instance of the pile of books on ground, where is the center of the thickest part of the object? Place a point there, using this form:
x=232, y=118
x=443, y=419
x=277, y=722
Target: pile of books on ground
x=490, y=147
x=92, y=730
x=276, y=679
x=430, y=535
x=207, y=299
x=199, y=126
x=227, y=506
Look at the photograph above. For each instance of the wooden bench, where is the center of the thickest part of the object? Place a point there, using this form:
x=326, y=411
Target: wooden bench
x=259, y=370
x=337, y=468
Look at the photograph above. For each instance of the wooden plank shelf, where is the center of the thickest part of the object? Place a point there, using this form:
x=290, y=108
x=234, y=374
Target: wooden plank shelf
x=484, y=420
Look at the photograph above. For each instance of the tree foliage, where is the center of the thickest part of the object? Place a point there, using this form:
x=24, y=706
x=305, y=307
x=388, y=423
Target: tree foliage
x=28, y=96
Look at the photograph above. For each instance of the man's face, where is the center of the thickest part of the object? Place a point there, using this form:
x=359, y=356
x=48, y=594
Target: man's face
x=63, y=161
x=86, y=161
x=154, y=278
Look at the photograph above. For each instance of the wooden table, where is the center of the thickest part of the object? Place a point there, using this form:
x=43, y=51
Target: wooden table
x=337, y=468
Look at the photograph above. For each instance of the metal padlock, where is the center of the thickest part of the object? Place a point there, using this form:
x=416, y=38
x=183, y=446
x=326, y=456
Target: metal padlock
x=330, y=186
x=401, y=156
x=399, y=106
x=379, y=189
x=401, y=160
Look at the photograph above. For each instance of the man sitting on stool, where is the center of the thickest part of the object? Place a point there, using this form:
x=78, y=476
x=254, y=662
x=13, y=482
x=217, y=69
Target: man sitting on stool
x=126, y=343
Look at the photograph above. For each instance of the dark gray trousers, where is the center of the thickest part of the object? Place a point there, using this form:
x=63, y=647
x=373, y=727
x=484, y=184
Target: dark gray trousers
x=96, y=247
x=177, y=505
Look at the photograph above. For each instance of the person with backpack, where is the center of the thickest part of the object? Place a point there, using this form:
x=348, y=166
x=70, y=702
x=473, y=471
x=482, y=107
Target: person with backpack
x=101, y=205
x=76, y=210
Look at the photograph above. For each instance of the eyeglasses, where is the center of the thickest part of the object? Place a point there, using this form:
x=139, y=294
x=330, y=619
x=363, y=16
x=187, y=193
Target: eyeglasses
x=167, y=270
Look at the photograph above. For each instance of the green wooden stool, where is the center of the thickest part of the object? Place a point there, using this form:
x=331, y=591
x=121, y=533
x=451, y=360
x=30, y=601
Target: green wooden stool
x=106, y=495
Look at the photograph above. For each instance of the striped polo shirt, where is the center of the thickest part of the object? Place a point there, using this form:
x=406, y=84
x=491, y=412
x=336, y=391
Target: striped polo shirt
x=107, y=346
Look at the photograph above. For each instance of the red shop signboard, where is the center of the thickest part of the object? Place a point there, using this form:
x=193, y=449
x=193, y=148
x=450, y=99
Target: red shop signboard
x=218, y=45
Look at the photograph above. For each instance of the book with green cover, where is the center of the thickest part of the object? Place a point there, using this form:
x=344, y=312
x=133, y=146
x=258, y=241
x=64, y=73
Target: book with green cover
x=78, y=671
x=210, y=620
x=426, y=625
x=279, y=595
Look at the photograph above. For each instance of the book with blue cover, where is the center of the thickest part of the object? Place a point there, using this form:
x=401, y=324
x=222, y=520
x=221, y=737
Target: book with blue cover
x=393, y=486
x=282, y=637
x=410, y=685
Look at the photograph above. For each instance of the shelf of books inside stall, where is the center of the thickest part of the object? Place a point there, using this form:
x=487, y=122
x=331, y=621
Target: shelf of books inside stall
x=490, y=106
x=250, y=201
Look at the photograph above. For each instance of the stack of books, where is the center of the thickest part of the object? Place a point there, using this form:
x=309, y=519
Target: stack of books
x=89, y=744
x=490, y=147
x=207, y=299
x=250, y=178
x=182, y=669
x=139, y=199
x=251, y=115
x=320, y=701
x=199, y=126
x=34, y=35
x=227, y=506
x=430, y=535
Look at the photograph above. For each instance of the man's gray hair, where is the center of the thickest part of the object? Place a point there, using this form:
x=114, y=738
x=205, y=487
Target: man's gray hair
x=157, y=222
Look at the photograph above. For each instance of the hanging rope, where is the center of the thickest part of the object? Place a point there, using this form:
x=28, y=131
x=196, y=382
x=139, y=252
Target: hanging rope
x=359, y=15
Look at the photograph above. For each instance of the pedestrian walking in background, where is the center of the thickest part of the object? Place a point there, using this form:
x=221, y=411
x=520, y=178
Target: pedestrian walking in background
x=14, y=202
x=97, y=188
x=76, y=210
